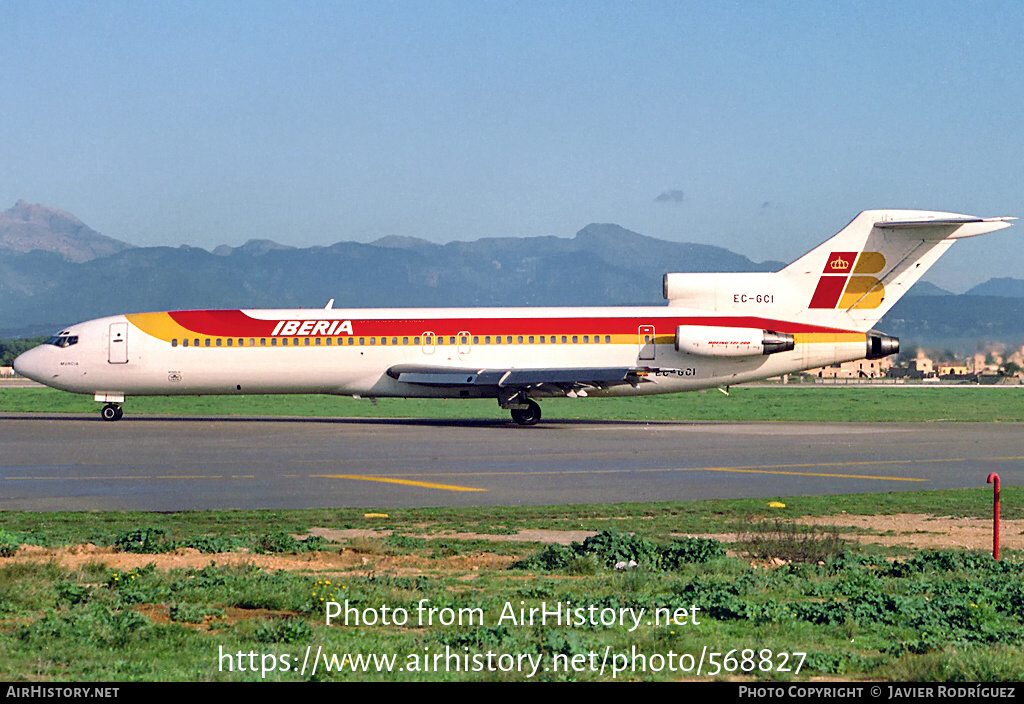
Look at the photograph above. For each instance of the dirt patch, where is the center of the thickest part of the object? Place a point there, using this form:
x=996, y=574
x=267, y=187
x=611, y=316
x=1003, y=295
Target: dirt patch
x=924, y=531
x=562, y=537
x=324, y=562
x=161, y=614
x=911, y=530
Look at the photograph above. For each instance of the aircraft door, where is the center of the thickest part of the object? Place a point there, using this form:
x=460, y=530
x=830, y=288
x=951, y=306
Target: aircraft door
x=645, y=338
x=428, y=342
x=465, y=344
x=117, y=344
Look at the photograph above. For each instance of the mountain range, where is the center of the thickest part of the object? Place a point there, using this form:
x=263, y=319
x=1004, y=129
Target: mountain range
x=27, y=227
x=55, y=270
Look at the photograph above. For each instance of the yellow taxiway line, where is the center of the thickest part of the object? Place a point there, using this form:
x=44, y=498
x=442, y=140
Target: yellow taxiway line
x=390, y=480
x=408, y=479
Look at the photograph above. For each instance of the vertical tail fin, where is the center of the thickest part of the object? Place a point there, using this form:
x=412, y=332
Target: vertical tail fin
x=854, y=278
x=847, y=283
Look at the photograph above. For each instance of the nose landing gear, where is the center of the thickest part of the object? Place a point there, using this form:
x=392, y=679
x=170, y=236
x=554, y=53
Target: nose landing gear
x=111, y=411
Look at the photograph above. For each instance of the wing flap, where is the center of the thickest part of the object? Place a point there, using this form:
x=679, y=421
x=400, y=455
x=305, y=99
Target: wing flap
x=505, y=378
x=581, y=375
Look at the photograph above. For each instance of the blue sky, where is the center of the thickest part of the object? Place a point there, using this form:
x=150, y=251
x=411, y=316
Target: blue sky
x=761, y=127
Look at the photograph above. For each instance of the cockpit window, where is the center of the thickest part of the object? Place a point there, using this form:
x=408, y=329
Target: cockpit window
x=63, y=340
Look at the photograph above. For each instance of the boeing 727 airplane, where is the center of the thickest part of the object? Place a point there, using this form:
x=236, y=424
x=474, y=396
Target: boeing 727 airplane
x=717, y=330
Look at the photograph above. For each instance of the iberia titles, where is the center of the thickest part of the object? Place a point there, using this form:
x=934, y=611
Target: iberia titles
x=306, y=328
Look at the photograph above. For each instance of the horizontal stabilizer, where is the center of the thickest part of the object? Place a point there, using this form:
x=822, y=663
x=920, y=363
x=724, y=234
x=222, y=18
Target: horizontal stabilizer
x=951, y=227
x=942, y=221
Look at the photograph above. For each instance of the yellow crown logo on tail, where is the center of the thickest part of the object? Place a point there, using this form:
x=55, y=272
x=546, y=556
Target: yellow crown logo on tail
x=839, y=264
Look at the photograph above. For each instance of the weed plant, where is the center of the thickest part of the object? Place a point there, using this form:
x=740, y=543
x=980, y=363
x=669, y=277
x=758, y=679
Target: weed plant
x=787, y=541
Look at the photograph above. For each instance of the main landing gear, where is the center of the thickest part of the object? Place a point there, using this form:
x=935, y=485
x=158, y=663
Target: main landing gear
x=529, y=415
x=525, y=411
x=111, y=411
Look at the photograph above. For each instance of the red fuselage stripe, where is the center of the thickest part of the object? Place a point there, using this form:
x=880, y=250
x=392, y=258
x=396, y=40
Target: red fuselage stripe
x=235, y=323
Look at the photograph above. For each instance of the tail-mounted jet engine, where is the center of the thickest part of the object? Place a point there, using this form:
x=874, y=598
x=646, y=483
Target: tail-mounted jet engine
x=720, y=341
x=880, y=345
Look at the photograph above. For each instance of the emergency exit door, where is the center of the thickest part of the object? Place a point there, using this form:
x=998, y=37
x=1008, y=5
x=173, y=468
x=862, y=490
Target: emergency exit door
x=645, y=338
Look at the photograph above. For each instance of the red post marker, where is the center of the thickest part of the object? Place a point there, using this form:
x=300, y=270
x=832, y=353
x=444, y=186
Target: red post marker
x=994, y=480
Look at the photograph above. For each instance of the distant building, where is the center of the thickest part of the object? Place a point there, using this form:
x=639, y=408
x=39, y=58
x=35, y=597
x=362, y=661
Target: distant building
x=859, y=369
x=924, y=366
x=921, y=367
x=981, y=364
x=989, y=377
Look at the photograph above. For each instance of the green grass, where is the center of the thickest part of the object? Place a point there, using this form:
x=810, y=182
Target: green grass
x=780, y=403
x=857, y=614
x=656, y=519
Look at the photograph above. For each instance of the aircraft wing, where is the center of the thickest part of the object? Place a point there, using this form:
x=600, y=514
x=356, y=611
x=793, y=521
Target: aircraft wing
x=562, y=377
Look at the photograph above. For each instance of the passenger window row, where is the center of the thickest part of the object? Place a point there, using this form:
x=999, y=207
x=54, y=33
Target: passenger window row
x=383, y=341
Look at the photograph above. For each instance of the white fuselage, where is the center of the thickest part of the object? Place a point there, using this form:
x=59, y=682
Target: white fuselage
x=349, y=351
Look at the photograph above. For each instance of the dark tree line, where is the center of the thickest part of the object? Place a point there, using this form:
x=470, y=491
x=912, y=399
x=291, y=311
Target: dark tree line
x=9, y=349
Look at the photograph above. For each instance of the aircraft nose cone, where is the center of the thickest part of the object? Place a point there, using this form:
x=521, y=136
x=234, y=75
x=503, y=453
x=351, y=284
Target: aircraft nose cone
x=30, y=364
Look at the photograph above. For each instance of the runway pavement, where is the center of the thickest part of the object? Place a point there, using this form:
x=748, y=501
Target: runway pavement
x=58, y=462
